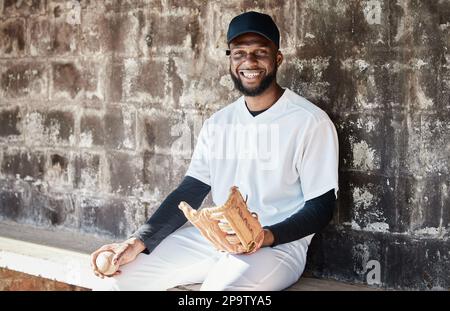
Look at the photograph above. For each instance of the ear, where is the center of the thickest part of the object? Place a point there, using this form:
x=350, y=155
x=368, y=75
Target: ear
x=279, y=58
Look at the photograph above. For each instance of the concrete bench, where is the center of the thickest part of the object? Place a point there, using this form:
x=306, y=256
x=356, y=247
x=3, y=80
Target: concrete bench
x=46, y=254
x=42, y=259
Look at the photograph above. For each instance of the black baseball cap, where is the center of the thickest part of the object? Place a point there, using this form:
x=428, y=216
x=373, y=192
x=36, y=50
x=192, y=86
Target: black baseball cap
x=256, y=22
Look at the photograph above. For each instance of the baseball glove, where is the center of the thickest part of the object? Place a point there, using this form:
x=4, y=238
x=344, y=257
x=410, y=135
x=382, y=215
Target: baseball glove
x=231, y=227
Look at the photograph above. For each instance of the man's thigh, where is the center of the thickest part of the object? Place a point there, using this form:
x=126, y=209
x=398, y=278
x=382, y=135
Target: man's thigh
x=270, y=268
x=184, y=257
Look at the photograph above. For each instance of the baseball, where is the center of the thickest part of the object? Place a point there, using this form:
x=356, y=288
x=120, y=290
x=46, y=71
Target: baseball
x=104, y=263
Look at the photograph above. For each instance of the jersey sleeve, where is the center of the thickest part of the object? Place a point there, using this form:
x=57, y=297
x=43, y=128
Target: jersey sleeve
x=319, y=160
x=199, y=166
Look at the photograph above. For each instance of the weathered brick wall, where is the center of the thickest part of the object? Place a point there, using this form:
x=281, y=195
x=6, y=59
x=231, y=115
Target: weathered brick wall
x=17, y=281
x=101, y=100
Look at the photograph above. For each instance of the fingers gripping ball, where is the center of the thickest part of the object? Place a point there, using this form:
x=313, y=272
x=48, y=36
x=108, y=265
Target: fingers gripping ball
x=231, y=227
x=104, y=263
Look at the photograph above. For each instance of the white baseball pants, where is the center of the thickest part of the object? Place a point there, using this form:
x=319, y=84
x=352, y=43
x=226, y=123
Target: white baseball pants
x=186, y=257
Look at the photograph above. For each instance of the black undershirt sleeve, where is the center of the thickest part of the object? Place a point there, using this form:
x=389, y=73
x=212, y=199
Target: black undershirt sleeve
x=168, y=217
x=312, y=218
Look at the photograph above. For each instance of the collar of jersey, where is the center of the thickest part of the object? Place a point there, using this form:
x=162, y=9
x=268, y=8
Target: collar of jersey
x=263, y=116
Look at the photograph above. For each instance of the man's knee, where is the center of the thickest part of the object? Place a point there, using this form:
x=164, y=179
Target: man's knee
x=249, y=276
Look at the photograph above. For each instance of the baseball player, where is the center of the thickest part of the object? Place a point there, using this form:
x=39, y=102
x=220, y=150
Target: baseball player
x=277, y=148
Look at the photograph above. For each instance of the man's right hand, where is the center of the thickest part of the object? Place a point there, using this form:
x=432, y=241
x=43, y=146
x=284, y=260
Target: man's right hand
x=125, y=252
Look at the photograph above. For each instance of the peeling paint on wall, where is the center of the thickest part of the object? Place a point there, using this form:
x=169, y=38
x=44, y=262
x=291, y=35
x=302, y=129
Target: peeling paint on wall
x=363, y=156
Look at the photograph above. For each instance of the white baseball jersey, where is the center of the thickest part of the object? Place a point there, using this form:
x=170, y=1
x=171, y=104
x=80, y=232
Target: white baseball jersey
x=279, y=159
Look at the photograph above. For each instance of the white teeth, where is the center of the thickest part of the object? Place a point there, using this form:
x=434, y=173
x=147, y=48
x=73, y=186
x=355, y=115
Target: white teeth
x=250, y=74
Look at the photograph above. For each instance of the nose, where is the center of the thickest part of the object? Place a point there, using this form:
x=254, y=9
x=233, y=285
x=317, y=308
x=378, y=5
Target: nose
x=251, y=57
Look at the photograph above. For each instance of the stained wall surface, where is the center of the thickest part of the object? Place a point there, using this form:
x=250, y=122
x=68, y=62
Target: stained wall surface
x=101, y=103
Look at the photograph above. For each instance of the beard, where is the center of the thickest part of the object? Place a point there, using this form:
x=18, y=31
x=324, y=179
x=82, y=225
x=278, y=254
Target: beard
x=258, y=90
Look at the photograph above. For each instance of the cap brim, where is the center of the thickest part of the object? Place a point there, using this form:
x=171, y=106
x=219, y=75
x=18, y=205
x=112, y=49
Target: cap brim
x=249, y=31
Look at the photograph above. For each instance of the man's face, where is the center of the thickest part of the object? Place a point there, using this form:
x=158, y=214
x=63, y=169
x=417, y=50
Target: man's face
x=253, y=63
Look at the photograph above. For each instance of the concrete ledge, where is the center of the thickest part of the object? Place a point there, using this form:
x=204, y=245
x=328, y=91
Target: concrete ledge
x=48, y=262
x=64, y=257
x=56, y=255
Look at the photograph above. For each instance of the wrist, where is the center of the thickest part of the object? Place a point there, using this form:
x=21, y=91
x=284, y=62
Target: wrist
x=137, y=244
x=268, y=238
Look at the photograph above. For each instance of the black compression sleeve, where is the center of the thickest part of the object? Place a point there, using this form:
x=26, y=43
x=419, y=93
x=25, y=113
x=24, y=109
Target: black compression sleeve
x=168, y=217
x=312, y=218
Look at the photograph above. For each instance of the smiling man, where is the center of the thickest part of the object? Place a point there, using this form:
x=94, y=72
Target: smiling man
x=278, y=148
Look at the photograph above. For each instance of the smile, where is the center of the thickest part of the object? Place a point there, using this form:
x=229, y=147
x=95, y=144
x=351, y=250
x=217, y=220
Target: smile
x=250, y=74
